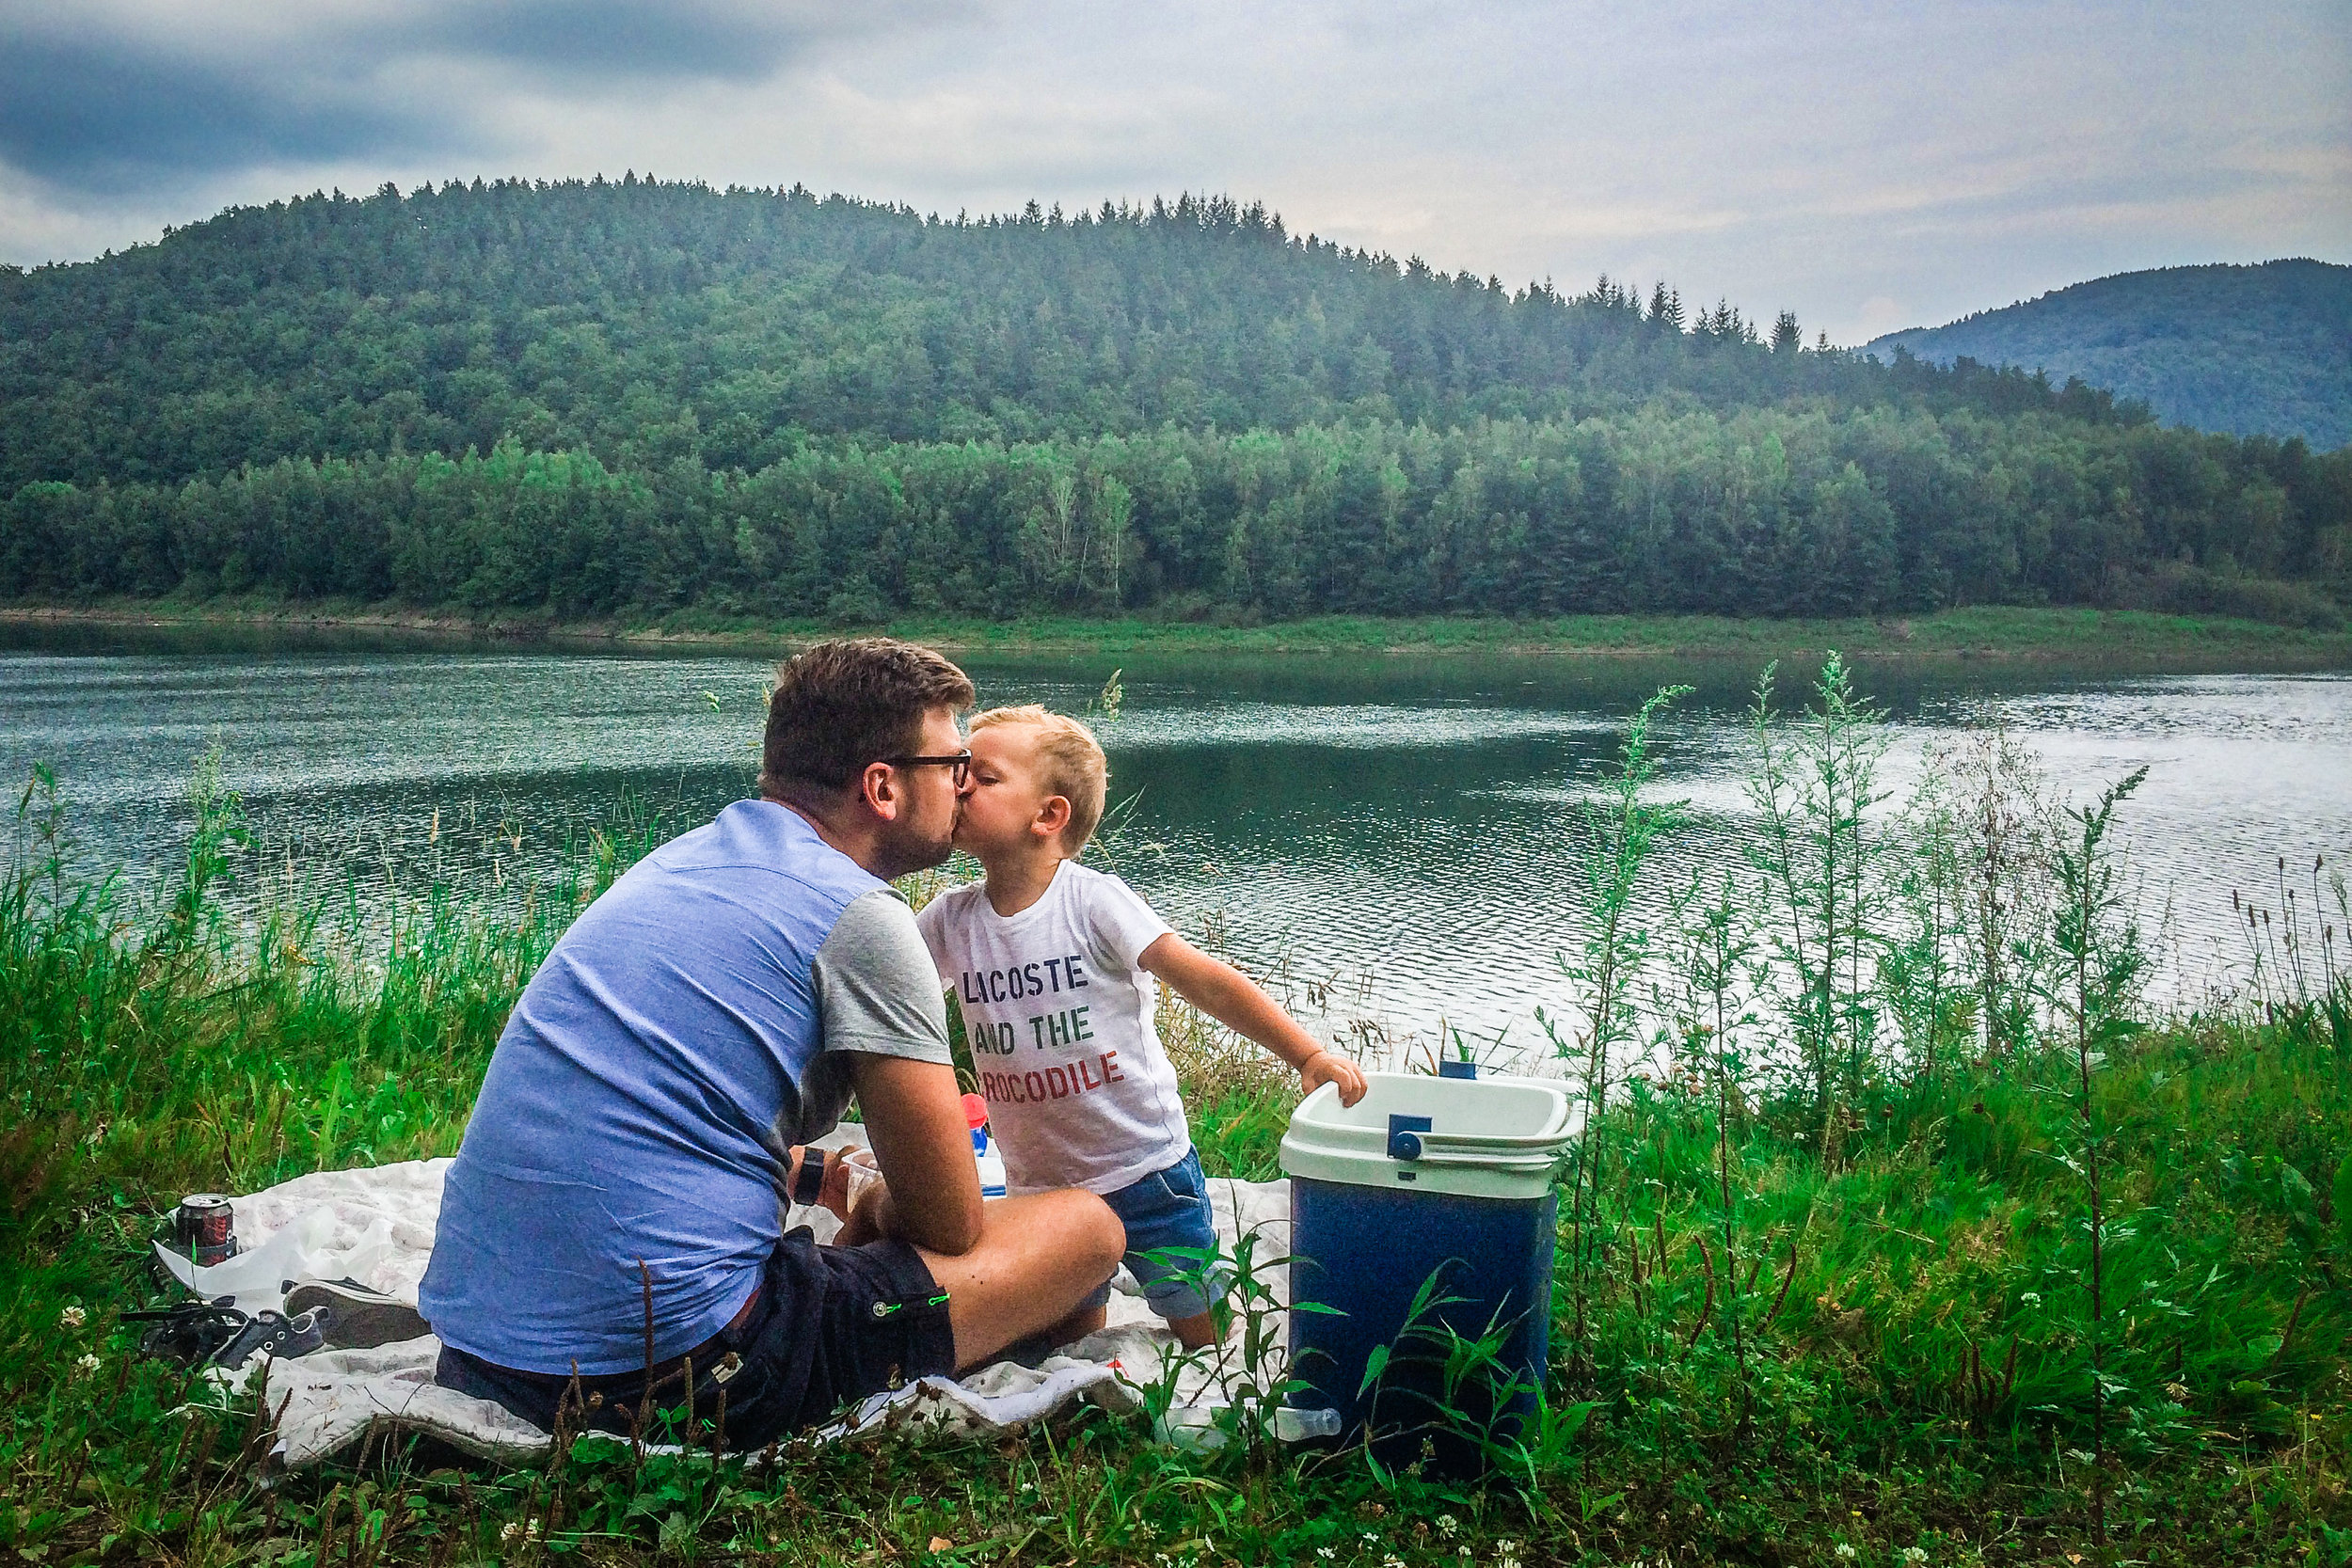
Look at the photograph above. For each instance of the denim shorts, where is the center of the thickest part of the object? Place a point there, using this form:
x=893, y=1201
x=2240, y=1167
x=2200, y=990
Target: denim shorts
x=1170, y=1208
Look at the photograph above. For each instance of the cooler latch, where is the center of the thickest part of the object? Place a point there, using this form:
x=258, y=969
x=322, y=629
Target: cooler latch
x=1403, y=1145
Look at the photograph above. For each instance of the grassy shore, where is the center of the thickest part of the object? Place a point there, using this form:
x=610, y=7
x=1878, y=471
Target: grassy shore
x=1862, y=1330
x=1990, y=632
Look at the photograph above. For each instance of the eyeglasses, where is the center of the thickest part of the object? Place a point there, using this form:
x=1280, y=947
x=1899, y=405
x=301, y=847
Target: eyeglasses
x=961, y=762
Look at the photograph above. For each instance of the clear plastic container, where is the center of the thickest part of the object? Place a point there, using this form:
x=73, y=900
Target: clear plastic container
x=984, y=1152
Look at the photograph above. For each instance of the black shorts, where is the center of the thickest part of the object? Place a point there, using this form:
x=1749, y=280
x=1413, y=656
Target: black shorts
x=832, y=1326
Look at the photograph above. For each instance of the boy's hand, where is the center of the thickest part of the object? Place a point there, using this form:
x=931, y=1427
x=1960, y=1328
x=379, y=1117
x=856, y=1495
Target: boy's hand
x=1327, y=1067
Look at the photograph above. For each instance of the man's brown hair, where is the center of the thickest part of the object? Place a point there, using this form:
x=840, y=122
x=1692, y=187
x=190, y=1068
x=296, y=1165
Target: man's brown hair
x=839, y=706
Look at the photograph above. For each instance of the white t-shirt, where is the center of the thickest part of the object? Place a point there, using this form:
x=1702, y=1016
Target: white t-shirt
x=1059, y=1017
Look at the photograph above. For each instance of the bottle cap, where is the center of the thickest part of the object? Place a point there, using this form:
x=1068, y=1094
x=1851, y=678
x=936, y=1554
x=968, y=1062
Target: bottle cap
x=975, y=1111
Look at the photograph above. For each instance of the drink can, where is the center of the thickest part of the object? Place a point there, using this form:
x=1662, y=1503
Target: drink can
x=207, y=1226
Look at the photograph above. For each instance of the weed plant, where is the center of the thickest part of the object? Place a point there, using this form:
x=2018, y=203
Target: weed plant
x=1848, y=1292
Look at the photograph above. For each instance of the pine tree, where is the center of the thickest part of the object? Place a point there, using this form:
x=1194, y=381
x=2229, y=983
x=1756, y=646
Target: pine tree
x=1665, y=307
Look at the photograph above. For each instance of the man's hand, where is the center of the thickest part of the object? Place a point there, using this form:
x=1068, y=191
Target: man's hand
x=1328, y=1067
x=833, y=1196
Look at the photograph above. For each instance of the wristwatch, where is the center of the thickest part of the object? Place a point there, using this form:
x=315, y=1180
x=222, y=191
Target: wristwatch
x=808, y=1184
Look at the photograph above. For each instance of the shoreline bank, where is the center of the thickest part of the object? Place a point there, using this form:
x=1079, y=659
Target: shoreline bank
x=1990, y=633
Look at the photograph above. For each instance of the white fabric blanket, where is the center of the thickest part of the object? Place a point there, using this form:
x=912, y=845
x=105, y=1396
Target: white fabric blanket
x=375, y=1226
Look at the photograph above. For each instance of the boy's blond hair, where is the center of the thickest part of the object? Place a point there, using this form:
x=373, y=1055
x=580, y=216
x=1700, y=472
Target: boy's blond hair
x=1070, y=763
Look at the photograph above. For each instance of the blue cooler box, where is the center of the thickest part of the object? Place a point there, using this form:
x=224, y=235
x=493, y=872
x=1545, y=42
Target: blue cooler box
x=1447, y=1177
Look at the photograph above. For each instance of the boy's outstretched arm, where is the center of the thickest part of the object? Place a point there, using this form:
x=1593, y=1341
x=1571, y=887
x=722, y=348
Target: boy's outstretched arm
x=1231, y=998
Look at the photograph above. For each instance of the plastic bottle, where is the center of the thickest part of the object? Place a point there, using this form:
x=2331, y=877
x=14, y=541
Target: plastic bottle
x=984, y=1152
x=1294, y=1425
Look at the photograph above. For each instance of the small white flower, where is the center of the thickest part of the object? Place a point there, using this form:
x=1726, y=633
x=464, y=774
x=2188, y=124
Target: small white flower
x=2031, y=1298
x=86, y=1365
x=1844, y=1551
x=513, y=1531
x=1447, y=1525
x=72, y=1318
x=1391, y=1560
x=1327, y=1553
x=1914, y=1554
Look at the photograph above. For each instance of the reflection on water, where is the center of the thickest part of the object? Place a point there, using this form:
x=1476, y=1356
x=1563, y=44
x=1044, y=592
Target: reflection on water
x=1388, y=838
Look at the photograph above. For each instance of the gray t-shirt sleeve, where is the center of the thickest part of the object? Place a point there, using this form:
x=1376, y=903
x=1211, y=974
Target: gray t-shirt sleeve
x=877, y=988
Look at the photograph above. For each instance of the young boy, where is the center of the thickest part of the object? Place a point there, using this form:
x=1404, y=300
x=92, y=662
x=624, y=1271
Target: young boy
x=1053, y=963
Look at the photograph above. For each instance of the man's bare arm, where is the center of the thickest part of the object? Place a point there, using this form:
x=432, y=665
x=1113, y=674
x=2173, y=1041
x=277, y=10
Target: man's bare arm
x=915, y=1116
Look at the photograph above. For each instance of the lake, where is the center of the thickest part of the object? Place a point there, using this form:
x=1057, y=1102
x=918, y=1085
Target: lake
x=1386, y=840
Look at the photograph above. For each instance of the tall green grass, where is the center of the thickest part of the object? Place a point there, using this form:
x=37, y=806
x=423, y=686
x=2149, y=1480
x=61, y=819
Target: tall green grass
x=1833, y=1286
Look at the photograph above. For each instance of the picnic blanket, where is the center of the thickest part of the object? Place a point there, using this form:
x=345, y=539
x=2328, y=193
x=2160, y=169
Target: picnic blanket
x=375, y=1226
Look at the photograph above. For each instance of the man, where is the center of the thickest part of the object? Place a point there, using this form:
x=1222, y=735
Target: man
x=612, y=1214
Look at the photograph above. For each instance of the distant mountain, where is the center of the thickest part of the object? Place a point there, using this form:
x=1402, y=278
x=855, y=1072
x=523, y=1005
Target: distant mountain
x=2253, y=351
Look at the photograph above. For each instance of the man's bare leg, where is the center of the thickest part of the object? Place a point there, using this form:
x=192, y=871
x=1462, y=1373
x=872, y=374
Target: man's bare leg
x=1036, y=1258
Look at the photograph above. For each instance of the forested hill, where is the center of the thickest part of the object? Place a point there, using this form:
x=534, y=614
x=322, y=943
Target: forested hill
x=630, y=398
x=644, y=321
x=2261, y=350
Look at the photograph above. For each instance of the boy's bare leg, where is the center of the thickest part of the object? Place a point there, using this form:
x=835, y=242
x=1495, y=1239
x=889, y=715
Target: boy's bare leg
x=1076, y=1326
x=1198, y=1332
x=1036, y=1258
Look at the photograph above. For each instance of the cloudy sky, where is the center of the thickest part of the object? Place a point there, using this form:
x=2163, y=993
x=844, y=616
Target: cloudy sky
x=1869, y=166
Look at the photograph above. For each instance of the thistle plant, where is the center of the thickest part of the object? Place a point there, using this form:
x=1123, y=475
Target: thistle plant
x=2004, y=830
x=1619, y=832
x=2096, y=980
x=1716, y=952
x=1105, y=708
x=220, y=834
x=1815, y=784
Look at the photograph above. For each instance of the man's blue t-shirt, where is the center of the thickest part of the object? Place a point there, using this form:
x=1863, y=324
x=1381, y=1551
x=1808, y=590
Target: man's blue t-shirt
x=684, y=1033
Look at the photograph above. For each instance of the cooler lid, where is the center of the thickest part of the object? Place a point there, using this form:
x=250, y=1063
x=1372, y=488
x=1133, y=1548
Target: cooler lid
x=1474, y=1137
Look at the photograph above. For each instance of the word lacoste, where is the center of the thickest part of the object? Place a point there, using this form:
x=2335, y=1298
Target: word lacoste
x=1052, y=978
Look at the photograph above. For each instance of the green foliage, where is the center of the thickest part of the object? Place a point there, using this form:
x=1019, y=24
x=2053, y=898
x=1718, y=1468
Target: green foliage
x=594, y=400
x=648, y=323
x=1618, y=831
x=1818, y=851
x=1782, y=511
